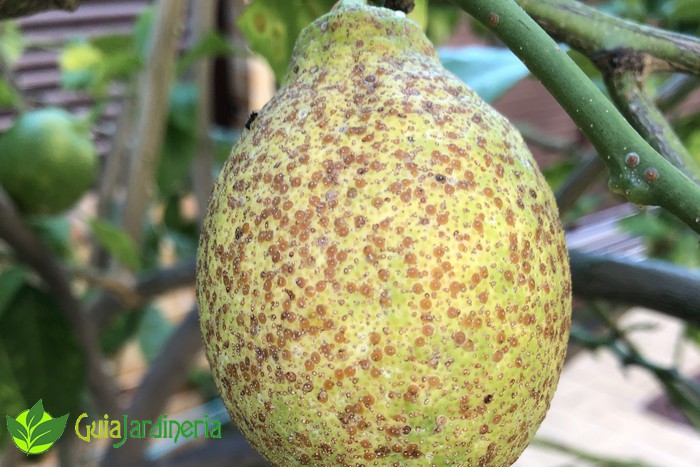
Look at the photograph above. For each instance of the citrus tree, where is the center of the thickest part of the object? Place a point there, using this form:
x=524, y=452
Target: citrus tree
x=69, y=303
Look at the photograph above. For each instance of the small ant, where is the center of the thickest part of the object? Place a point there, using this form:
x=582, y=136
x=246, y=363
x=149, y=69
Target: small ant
x=250, y=120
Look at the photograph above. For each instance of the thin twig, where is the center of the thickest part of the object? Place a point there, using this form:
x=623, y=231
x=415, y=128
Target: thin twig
x=166, y=375
x=204, y=20
x=39, y=257
x=117, y=157
x=124, y=290
x=153, y=107
x=107, y=306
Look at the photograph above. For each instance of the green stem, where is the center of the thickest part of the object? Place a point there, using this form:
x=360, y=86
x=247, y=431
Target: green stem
x=593, y=32
x=646, y=178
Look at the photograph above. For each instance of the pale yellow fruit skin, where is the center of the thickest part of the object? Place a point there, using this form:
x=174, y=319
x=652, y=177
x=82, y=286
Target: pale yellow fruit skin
x=382, y=275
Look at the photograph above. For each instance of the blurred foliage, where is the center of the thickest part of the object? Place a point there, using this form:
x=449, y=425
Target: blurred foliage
x=116, y=242
x=665, y=236
x=271, y=27
x=676, y=15
x=39, y=355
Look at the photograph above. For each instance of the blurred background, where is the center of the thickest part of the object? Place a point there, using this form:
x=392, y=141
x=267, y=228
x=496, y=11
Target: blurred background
x=161, y=90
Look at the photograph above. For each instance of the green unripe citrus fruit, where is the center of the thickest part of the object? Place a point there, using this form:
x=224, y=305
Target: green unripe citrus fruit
x=47, y=161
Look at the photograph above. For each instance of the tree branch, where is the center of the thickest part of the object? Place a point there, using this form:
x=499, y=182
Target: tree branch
x=593, y=32
x=627, y=90
x=117, y=157
x=204, y=20
x=14, y=8
x=578, y=182
x=36, y=255
x=652, y=284
x=652, y=180
x=675, y=90
x=108, y=305
x=166, y=375
x=153, y=108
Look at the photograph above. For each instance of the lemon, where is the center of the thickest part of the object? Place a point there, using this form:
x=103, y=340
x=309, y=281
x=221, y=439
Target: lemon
x=47, y=161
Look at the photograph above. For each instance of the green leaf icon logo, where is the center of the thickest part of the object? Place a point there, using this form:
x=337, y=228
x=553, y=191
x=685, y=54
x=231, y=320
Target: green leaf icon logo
x=34, y=431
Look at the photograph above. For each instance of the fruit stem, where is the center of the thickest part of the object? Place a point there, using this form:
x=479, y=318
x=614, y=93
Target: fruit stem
x=651, y=179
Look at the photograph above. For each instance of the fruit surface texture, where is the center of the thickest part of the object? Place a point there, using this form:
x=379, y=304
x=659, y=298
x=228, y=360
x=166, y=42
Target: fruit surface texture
x=47, y=161
x=382, y=275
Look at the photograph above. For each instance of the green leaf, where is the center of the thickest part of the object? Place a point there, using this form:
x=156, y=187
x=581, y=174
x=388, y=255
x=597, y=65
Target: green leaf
x=177, y=223
x=630, y=9
x=12, y=43
x=271, y=27
x=685, y=11
x=588, y=67
x=40, y=358
x=16, y=429
x=180, y=140
x=120, y=330
x=11, y=281
x=120, y=56
x=9, y=98
x=122, y=66
x=490, y=71
x=182, y=108
x=646, y=225
x=556, y=173
x=153, y=332
x=212, y=44
x=142, y=32
x=692, y=333
x=693, y=145
x=49, y=431
x=116, y=242
x=82, y=66
x=54, y=231
x=112, y=43
x=176, y=161
x=442, y=22
x=419, y=14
